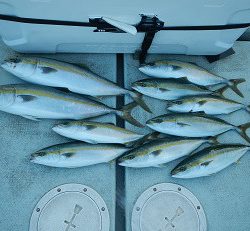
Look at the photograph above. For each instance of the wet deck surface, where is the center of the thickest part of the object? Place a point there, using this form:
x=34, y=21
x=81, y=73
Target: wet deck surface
x=224, y=196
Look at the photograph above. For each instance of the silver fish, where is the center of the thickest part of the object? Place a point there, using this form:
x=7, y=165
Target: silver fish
x=209, y=161
x=77, y=79
x=77, y=154
x=95, y=132
x=33, y=102
x=189, y=71
x=194, y=125
x=167, y=89
x=209, y=104
x=161, y=151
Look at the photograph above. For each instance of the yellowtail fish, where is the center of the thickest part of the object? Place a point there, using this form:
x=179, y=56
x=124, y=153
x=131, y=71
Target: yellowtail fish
x=95, y=132
x=209, y=161
x=78, y=79
x=161, y=151
x=189, y=71
x=209, y=104
x=77, y=154
x=168, y=89
x=38, y=102
x=194, y=125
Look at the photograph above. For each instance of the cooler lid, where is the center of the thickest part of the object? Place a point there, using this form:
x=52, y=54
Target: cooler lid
x=70, y=207
x=168, y=207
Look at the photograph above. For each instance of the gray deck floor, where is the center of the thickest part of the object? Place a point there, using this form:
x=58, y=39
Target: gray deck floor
x=224, y=196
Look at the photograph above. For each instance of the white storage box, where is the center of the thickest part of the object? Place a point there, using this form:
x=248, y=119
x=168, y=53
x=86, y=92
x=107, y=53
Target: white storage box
x=218, y=15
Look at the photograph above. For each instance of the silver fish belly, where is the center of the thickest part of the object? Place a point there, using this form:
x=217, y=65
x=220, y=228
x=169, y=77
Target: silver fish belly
x=211, y=105
x=157, y=152
x=77, y=154
x=209, y=161
x=95, y=132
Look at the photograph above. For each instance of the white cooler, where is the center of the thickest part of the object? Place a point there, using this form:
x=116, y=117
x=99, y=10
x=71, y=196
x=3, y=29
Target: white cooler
x=194, y=27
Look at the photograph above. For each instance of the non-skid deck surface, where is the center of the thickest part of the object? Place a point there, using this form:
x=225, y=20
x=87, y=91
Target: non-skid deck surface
x=224, y=196
x=22, y=183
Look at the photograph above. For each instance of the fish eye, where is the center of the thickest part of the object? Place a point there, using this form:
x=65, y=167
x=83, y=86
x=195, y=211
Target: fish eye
x=14, y=60
x=178, y=102
x=131, y=157
x=182, y=168
x=151, y=64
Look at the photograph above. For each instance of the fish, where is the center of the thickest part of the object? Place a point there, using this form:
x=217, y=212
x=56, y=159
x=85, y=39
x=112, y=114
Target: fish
x=189, y=71
x=77, y=154
x=209, y=104
x=96, y=132
x=161, y=151
x=194, y=125
x=209, y=161
x=168, y=89
x=77, y=79
x=39, y=102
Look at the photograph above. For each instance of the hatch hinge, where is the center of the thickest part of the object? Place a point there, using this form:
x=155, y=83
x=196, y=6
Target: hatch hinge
x=150, y=25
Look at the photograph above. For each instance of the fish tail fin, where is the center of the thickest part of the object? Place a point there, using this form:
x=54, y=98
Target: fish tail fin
x=143, y=140
x=247, y=107
x=125, y=113
x=138, y=99
x=233, y=84
x=213, y=140
x=242, y=131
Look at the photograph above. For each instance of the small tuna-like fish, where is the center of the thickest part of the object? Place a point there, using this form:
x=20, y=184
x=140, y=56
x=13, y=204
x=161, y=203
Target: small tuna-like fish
x=95, y=132
x=39, y=102
x=209, y=104
x=77, y=154
x=161, y=151
x=168, y=89
x=209, y=161
x=78, y=79
x=194, y=125
x=189, y=71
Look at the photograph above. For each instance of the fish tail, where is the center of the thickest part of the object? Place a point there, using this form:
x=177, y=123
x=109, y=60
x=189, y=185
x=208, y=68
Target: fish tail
x=221, y=91
x=138, y=99
x=247, y=107
x=233, y=84
x=143, y=140
x=242, y=131
x=125, y=113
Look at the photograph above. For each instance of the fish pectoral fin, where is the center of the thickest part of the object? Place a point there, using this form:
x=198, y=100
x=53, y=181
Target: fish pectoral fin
x=26, y=98
x=163, y=89
x=156, y=153
x=47, y=70
x=90, y=127
x=206, y=163
x=202, y=102
x=30, y=117
x=182, y=124
x=68, y=154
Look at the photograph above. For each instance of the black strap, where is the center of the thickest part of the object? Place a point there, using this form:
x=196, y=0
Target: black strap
x=93, y=24
x=147, y=41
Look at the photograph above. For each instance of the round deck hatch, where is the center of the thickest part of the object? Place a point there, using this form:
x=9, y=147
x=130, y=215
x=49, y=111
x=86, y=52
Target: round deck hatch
x=70, y=207
x=168, y=207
